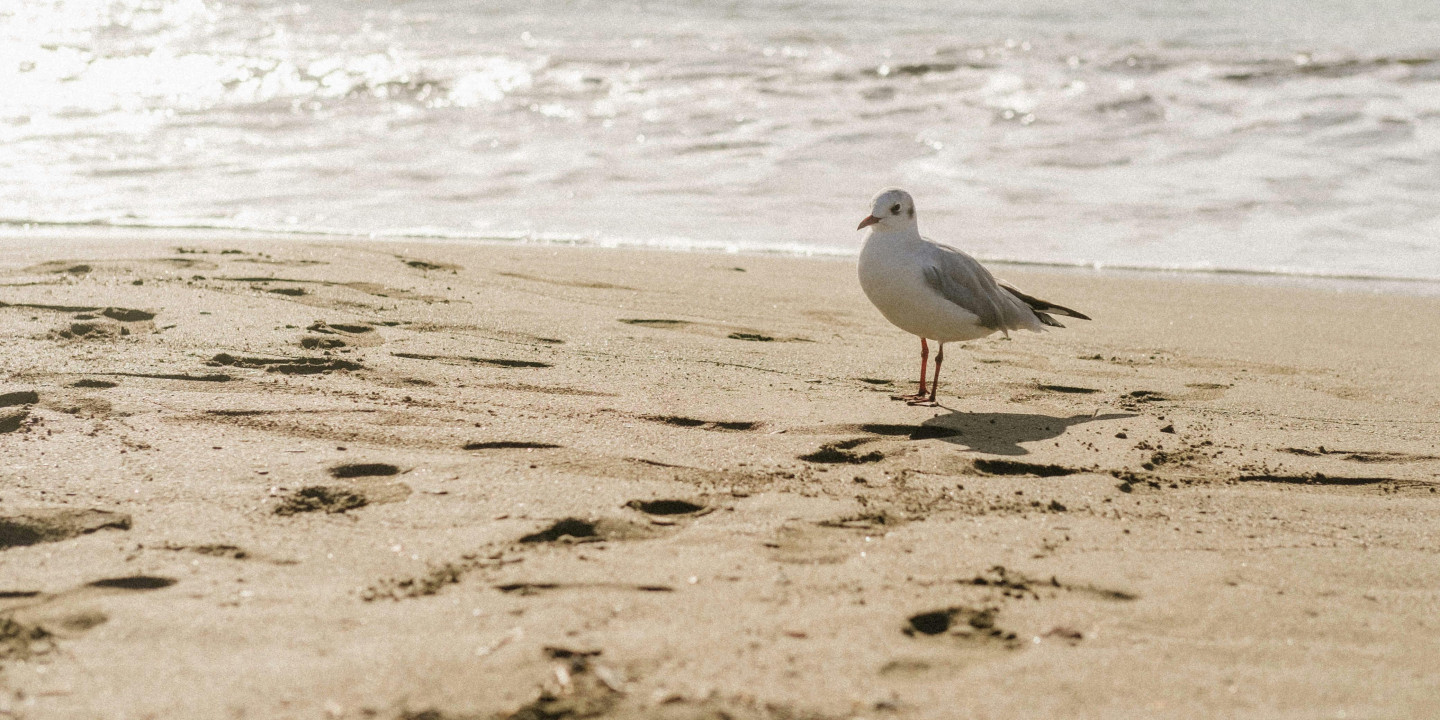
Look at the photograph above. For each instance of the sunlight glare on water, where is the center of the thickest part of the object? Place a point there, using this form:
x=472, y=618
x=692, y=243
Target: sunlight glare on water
x=1262, y=136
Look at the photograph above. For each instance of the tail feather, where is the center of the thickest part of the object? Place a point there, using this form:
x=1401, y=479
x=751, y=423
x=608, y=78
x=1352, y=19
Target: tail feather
x=1041, y=307
x=1047, y=320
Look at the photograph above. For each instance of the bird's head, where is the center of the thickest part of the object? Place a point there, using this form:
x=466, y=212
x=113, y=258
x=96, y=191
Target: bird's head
x=892, y=209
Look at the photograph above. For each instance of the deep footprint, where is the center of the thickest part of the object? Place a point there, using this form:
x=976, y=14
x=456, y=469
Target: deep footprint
x=22, y=397
x=12, y=420
x=492, y=362
x=536, y=588
x=666, y=507
x=510, y=445
x=319, y=498
x=1069, y=389
x=577, y=530
x=54, y=524
x=208, y=377
x=689, y=422
x=1363, y=456
x=127, y=314
x=336, y=328
x=287, y=366
x=93, y=384
x=355, y=470
x=1015, y=467
x=962, y=622
x=19, y=641
x=134, y=582
x=842, y=452
x=321, y=343
x=1315, y=479
x=914, y=432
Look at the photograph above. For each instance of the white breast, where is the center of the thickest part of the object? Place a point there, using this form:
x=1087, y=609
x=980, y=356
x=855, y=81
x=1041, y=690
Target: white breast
x=892, y=274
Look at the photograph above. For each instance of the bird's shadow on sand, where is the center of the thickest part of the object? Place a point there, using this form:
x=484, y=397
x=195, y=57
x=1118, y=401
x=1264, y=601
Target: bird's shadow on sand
x=1003, y=433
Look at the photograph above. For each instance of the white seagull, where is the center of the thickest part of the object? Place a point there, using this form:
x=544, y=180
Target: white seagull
x=936, y=291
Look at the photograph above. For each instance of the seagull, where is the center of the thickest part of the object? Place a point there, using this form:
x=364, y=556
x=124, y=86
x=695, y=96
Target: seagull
x=936, y=291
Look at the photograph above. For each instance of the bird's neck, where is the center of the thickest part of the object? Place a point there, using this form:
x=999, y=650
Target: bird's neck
x=903, y=233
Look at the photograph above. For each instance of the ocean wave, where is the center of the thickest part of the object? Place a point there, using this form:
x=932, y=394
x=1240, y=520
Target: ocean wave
x=1181, y=135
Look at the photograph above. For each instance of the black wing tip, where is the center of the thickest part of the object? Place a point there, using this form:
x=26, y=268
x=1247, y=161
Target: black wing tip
x=1049, y=307
x=1040, y=307
x=1047, y=320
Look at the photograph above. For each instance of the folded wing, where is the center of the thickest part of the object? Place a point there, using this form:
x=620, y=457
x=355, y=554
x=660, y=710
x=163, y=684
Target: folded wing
x=962, y=280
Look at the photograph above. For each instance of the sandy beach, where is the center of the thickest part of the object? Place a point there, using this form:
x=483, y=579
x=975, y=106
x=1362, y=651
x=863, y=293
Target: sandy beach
x=280, y=478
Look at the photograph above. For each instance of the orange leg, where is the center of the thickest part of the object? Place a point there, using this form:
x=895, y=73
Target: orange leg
x=924, y=365
x=935, y=381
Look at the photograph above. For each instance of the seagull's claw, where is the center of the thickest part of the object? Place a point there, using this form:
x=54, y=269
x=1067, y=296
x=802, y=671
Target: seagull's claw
x=915, y=399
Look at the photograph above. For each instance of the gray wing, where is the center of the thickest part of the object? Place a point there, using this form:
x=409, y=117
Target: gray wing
x=962, y=280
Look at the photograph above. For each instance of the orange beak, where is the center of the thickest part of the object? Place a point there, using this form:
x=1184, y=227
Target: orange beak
x=871, y=220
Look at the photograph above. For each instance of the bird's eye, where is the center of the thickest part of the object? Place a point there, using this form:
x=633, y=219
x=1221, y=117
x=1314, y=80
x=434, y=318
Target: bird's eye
x=895, y=209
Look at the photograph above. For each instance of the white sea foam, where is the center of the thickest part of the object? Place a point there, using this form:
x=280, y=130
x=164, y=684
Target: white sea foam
x=1224, y=135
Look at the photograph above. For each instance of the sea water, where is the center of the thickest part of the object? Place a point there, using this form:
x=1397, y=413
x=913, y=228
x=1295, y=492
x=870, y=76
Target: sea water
x=1269, y=136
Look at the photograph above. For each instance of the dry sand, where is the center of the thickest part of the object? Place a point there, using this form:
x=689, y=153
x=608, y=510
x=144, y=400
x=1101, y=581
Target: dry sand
x=275, y=479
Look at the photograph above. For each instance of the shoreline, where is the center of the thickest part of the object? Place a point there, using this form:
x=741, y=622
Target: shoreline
x=1321, y=280
x=377, y=479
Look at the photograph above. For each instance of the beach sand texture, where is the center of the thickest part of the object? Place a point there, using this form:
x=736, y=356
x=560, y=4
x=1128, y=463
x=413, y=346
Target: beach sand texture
x=266, y=478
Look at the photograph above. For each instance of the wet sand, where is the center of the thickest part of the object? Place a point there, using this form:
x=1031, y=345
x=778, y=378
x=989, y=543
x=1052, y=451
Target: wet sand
x=266, y=478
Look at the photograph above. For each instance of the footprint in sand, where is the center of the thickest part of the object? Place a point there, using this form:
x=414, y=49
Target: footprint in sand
x=913, y=432
x=33, y=621
x=466, y=360
x=1386, y=485
x=965, y=624
x=510, y=445
x=42, y=525
x=1068, y=389
x=576, y=530
x=219, y=550
x=689, y=422
x=19, y=397
x=357, y=470
x=670, y=511
x=335, y=499
x=14, y=409
x=107, y=323
x=184, y=377
x=526, y=589
x=843, y=452
x=327, y=336
x=118, y=267
x=997, y=466
x=93, y=384
x=286, y=365
x=13, y=420
x=368, y=288
x=428, y=266
x=320, y=498
x=134, y=582
x=669, y=507
x=1361, y=456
